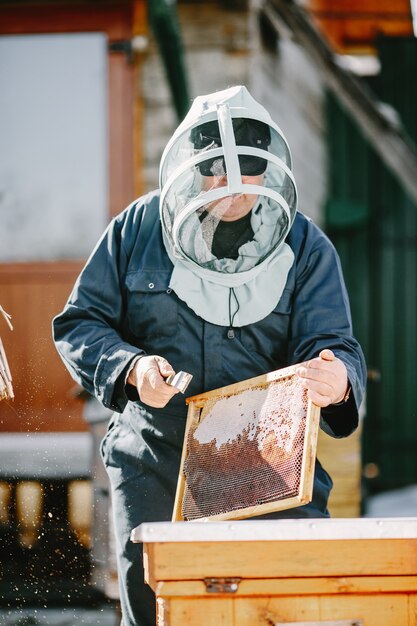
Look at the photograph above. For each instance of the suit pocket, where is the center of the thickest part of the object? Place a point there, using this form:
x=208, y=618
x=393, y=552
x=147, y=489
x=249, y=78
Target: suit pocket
x=152, y=307
x=270, y=335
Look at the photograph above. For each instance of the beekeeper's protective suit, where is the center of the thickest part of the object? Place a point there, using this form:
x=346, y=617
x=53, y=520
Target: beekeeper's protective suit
x=217, y=275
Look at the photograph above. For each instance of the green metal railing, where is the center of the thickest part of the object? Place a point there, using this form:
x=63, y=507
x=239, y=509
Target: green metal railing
x=163, y=19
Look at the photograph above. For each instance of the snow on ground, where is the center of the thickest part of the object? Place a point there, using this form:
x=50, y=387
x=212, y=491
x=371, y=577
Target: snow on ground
x=398, y=503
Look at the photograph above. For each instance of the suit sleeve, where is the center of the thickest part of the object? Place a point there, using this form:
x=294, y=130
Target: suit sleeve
x=88, y=333
x=321, y=319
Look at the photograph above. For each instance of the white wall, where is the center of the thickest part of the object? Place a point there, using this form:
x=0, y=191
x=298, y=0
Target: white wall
x=53, y=145
x=216, y=43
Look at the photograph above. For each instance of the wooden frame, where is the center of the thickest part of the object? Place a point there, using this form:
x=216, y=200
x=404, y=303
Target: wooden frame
x=197, y=403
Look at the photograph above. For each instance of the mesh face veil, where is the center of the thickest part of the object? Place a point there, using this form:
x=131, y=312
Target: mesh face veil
x=226, y=174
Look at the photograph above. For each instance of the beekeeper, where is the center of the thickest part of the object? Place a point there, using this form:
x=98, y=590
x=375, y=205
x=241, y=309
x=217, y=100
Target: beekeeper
x=216, y=274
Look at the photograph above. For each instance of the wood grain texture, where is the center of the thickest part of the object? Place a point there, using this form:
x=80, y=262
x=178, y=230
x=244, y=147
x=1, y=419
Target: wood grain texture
x=388, y=610
x=296, y=586
x=33, y=293
x=354, y=26
x=412, y=610
x=341, y=458
x=207, y=612
x=283, y=559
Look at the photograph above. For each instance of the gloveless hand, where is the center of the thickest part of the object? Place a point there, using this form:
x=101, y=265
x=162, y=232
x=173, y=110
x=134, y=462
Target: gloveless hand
x=148, y=376
x=325, y=377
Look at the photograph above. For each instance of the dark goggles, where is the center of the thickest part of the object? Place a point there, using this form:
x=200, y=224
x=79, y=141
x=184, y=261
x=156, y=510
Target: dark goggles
x=247, y=132
x=249, y=166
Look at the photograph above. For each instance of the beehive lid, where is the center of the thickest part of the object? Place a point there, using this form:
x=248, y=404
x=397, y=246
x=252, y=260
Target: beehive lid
x=277, y=530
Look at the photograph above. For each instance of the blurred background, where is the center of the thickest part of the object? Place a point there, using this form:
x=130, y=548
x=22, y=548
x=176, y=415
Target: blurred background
x=90, y=92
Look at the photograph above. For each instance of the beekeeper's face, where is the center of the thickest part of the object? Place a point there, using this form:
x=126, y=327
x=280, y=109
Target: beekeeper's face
x=235, y=206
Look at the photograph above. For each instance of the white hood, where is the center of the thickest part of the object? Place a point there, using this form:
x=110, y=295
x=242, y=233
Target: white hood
x=225, y=161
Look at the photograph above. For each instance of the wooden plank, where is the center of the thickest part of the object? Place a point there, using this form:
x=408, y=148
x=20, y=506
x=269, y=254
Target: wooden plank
x=139, y=29
x=163, y=617
x=195, y=561
x=389, y=610
x=332, y=622
x=271, y=611
x=204, y=612
x=192, y=417
x=352, y=27
x=121, y=115
x=412, y=610
x=250, y=383
x=377, y=610
x=343, y=509
x=297, y=586
x=377, y=7
x=41, y=272
x=149, y=565
x=259, y=509
x=113, y=18
x=359, y=35
x=309, y=453
x=342, y=460
x=33, y=294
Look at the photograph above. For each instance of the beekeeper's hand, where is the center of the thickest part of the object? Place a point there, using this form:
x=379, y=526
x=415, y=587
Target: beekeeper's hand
x=326, y=379
x=148, y=376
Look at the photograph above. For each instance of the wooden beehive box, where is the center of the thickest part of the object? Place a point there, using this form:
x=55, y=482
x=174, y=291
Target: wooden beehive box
x=322, y=572
x=249, y=449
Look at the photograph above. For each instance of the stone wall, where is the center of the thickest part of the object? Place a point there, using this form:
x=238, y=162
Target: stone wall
x=216, y=43
x=287, y=83
x=223, y=48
